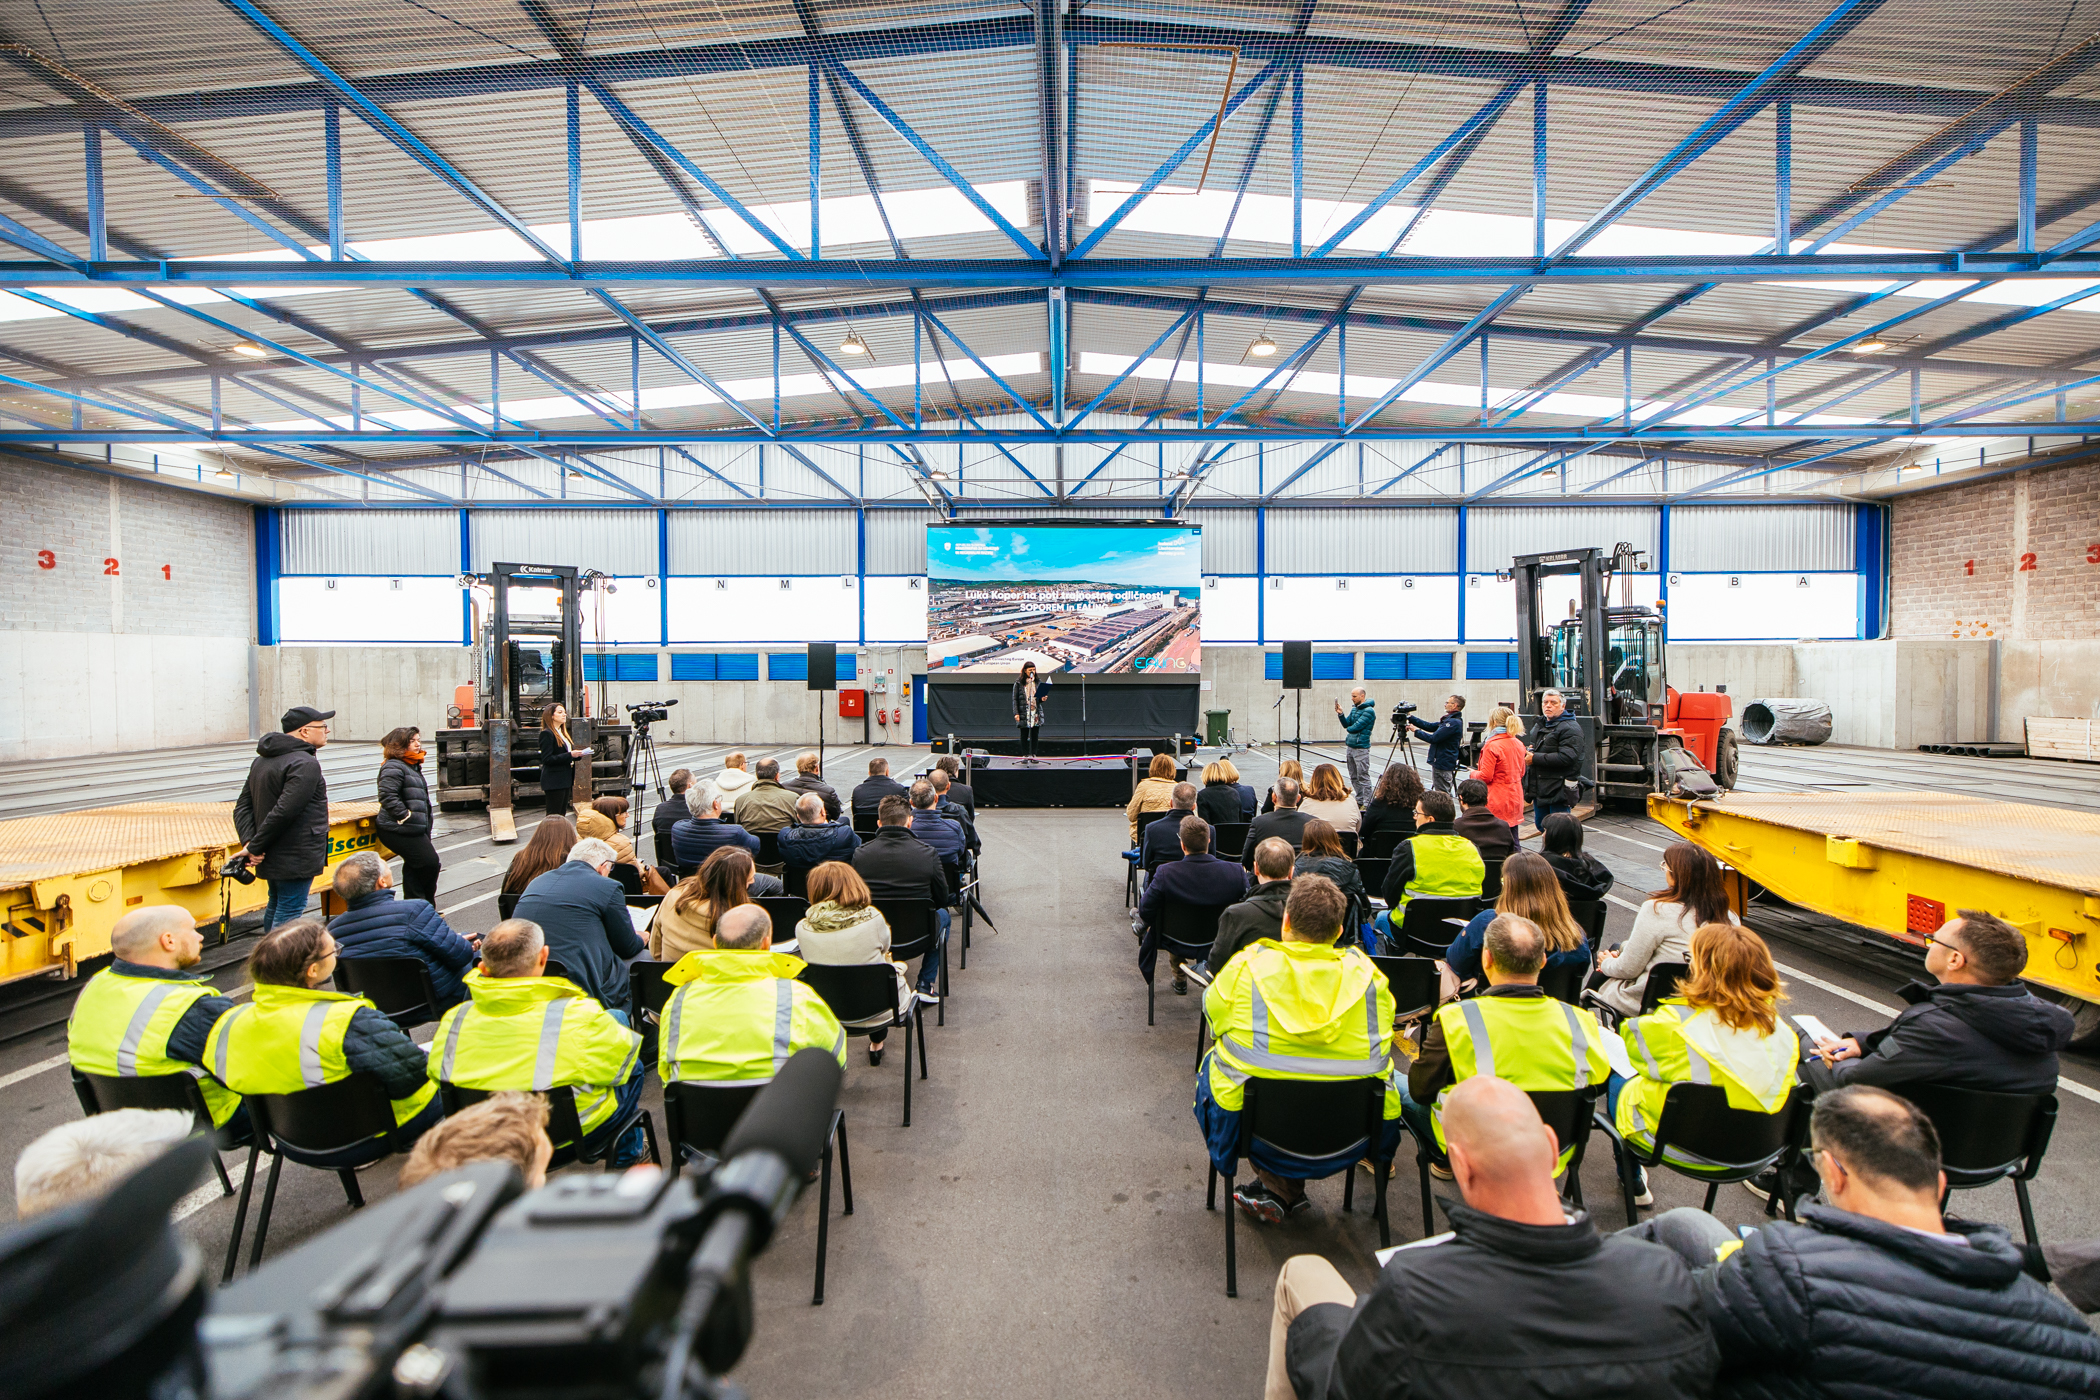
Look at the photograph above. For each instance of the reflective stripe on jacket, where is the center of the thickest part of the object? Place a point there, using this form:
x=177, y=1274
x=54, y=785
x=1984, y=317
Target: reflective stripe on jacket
x=736, y=1016
x=120, y=1027
x=1676, y=1044
x=1447, y=866
x=291, y=1038
x=1298, y=1011
x=1534, y=1042
x=535, y=1033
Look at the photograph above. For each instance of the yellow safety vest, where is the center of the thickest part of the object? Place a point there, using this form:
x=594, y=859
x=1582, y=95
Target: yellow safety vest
x=1535, y=1042
x=291, y=1038
x=737, y=1016
x=120, y=1026
x=1676, y=1044
x=1298, y=1011
x=1446, y=867
x=535, y=1033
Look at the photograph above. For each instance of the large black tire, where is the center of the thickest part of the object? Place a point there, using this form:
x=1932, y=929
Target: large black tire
x=1725, y=760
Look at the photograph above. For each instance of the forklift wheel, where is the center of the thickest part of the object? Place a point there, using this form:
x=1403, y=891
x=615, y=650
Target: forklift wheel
x=1725, y=760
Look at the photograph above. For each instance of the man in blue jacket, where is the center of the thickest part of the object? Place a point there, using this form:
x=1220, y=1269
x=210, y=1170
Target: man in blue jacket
x=695, y=839
x=1357, y=726
x=583, y=914
x=812, y=840
x=1446, y=736
x=377, y=924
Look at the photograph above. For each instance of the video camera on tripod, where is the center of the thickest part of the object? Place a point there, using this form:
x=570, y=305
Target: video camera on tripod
x=648, y=712
x=628, y=1285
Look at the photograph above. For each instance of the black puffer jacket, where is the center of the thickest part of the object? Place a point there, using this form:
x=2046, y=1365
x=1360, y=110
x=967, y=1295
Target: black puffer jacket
x=283, y=809
x=1846, y=1305
x=374, y=1045
x=1999, y=1039
x=1582, y=875
x=1556, y=758
x=404, y=799
x=1500, y=1309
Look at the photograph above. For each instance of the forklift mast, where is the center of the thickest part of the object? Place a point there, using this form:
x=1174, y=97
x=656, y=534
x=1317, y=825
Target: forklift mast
x=1576, y=671
x=519, y=686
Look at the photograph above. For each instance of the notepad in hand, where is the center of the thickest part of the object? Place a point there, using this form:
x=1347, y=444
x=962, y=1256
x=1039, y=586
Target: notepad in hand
x=1815, y=1029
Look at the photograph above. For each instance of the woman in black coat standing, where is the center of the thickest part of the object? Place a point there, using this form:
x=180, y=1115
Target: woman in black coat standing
x=558, y=755
x=406, y=814
x=1029, y=695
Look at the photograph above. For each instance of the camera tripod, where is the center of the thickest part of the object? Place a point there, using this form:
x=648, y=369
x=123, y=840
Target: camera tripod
x=643, y=770
x=1402, y=741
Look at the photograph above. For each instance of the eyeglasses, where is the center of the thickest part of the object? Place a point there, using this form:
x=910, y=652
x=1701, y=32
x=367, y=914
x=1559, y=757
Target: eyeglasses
x=1950, y=947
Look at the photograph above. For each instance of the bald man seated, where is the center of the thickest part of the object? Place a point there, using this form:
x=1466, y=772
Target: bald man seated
x=1523, y=1296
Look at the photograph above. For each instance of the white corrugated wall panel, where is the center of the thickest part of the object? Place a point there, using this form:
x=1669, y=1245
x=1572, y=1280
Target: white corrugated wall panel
x=391, y=542
x=1351, y=541
x=1752, y=538
x=1495, y=535
x=762, y=542
x=618, y=542
x=1228, y=540
x=897, y=540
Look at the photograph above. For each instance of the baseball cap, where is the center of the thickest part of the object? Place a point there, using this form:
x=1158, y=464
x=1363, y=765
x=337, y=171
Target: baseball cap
x=299, y=716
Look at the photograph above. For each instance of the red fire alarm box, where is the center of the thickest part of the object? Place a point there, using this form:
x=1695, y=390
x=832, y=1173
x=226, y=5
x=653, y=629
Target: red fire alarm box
x=853, y=704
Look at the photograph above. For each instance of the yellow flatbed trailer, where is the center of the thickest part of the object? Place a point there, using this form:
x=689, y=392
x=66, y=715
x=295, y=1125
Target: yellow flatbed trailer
x=1906, y=862
x=66, y=879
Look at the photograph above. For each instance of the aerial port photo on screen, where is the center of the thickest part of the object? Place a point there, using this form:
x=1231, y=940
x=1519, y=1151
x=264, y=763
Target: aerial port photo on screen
x=1095, y=600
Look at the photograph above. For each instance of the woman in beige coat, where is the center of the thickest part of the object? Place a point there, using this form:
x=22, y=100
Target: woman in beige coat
x=1154, y=794
x=685, y=921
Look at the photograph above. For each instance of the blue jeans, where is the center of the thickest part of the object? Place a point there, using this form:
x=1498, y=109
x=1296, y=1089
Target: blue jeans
x=1612, y=1086
x=1542, y=810
x=930, y=965
x=287, y=901
x=1418, y=1121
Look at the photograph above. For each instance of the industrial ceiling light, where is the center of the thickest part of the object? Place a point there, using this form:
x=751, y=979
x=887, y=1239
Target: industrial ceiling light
x=224, y=473
x=1868, y=347
x=936, y=474
x=853, y=344
x=248, y=349
x=1262, y=348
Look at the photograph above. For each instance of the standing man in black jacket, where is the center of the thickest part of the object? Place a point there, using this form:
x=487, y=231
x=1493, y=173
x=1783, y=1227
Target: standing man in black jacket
x=1521, y=1298
x=282, y=812
x=1447, y=735
x=1550, y=779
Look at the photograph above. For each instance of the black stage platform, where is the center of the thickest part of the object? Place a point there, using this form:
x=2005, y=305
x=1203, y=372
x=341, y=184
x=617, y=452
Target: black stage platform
x=1100, y=781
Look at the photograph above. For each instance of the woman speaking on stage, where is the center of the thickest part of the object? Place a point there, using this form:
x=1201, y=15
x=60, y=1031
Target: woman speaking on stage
x=1029, y=695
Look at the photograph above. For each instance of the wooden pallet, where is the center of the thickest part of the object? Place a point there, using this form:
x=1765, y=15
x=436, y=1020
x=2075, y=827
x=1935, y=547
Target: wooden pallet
x=2074, y=739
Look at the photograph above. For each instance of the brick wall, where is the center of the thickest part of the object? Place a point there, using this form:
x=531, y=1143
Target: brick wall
x=1958, y=559
x=2063, y=534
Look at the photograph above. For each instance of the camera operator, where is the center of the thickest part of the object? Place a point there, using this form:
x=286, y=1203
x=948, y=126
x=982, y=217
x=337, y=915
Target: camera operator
x=282, y=812
x=1446, y=736
x=1357, y=726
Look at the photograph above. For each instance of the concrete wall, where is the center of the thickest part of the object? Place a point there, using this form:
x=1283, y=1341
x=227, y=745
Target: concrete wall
x=151, y=651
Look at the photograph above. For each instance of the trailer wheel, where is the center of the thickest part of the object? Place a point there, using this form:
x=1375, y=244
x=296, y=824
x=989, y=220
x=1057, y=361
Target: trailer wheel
x=1725, y=760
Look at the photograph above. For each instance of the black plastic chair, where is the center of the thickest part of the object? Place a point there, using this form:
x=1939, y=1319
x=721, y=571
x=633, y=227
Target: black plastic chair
x=794, y=880
x=1569, y=1112
x=1372, y=870
x=647, y=996
x=855, y=992
x=351, y=1112
x=700, y=1116
x=1590, y=914
x=1425, y=925
x=1185, y=933
x=1310, y=1118
x=865, y=824
x=103, y=1093
x=1348, y=840
x=1987, y=1137
x=1134, y=857
x=1732, y=1144
x=786, y=911
x=660, y=847
x=1491, y=881
x=399, y=987
x=629, y=878
x=555, y=968
x=564, y=1124
x=1663, y=981
x=1564, y=981
x=1380, y=844
x=768, y=857
x=1416, y=984
x=904, y=915
x=507, y=904
x=1231, y=843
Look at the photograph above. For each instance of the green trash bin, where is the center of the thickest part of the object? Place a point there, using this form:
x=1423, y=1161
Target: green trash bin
x=1217, y=728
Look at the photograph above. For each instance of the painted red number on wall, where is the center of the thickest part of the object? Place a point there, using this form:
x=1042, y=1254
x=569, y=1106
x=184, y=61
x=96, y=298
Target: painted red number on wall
x=109, y=568
x=1969, y=565
x=2092, y=554
x=167, y=571
x=2026, y=563
x=45, y=559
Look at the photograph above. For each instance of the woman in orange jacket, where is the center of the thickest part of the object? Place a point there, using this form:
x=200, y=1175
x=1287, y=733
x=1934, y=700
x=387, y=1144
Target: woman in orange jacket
x=1501, y=766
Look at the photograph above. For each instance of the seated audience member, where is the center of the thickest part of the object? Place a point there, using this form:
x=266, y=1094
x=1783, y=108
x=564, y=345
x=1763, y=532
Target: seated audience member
x=1155, y=792
x=1219, y=798
x=1327, y=798
x=1503, y=759
x=723, y=1022
x=1693, y=894
x=765, y=806
x=686, y=918
x=1520, y=1298
x=868, y=795
x=1874, y=1292
x=1289, y=768
x=1260, y=914
x=85, y=1159
x=295, y=1033
x=958, y=790
x=1975, y=1026
x=1199, y=880
x=732, y=782
x=1436, y=862
x=510, y=1127
x=843, y=927
x=895, y=864
x=1321, y=854
x=707, y=830
x=1250, y=801
x=1285, y=821
x=814, y=838
x=146, y=1013
x=582, y=912
x=1296, y=1007
x=605, y=819
x=1494, y=836
x=1512, y=1030
x=809, y=778
x=1162, y=837
x=376, y=924
x=1530, y=892
x=944, y=803
x=549, y=846
x=525, y=1030
x=669, y=812
x=943, y=834
x=1393, y=800
x=1582, y=875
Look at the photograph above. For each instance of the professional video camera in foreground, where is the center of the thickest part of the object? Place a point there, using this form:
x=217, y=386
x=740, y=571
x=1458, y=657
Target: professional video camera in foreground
x=625, y=1285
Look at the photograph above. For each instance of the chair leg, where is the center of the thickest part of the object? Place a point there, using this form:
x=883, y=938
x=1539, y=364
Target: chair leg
x=1202, y=1037
x=1210, y=1198
x=262, y=1217
x=2026, y=1210
x=1623, y=1160
x=649, y=1133
x=915, y=1020
x=845, y=1161
x=225, y=1182
x=1382, y=1172
x=922, y=1045
x=1428, y=1205
x=1148, y=995
x=240, y=1213
x=1713, y=1189
x=1349, y=1189
x=823, y=1220
x=351, y=1191
x=1232, y=1262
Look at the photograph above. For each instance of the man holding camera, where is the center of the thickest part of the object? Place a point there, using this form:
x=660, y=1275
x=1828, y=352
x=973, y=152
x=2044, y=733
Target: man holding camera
x=1446, y=736
x=1357, y=725
x=282, y=812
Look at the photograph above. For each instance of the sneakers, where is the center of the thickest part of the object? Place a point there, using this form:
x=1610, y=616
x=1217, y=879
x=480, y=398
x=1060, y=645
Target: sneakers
x=1642, y=1196
x=927, y=998
x=1763, y=1184
x=1299, y=1206
x=1259, y=1202
x=1441, y=1172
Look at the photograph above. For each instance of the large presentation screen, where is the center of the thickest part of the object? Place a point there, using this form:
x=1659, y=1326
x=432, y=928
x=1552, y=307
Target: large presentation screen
x=1093, y=598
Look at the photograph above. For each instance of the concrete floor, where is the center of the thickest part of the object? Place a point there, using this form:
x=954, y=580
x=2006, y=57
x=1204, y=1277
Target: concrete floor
x=1040, y=1230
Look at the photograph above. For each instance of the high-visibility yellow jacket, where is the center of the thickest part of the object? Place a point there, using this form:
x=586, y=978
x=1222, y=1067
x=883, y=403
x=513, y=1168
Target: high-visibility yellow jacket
x=535, y=1033
x=120, y=1027
x=1537, y=1043
x=1678, y=1043
x=1446, y=867
x=291, y=1038
x=738, y=1014
x=1298, y=1011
